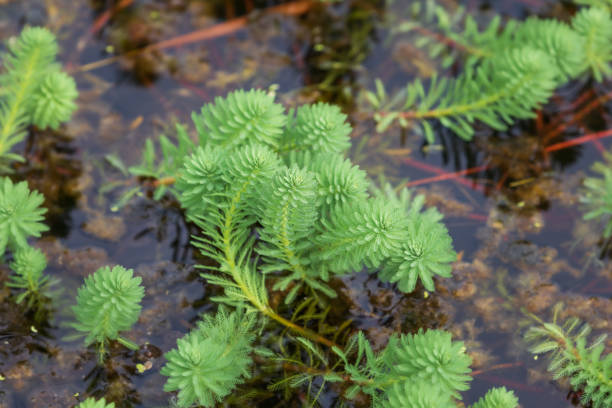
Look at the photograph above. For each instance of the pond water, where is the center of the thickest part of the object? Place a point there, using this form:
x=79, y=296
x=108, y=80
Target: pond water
x=516, y=224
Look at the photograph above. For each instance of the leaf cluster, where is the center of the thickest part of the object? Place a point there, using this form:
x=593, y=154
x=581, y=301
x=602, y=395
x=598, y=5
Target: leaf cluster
x=426, y=369
x=93, y=403
x=310, y=206
x=509, y=72
x=34, y=89
x=597, y=195
x=21, y=215
x=28, y=266
x=108, y=302
x=572, y=357
x=211, y=359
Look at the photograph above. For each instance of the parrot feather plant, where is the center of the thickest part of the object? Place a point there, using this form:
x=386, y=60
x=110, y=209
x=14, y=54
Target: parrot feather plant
x=280, y=209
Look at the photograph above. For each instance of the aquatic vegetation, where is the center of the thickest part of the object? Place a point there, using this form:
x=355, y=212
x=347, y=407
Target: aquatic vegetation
x=573, y=358
x=28, y=266
x=288, y=195
x=107, y=303
x=34, y=89
x=20, y=215
x=93, y=403
x=597, y=195
x=211, y=359
x=508, y=73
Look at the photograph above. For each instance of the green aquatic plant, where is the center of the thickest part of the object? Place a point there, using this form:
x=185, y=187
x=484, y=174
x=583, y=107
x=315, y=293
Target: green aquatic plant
x=34, y=89
x=93, y=403
x=497, y=398
x=572, y=357
x=20, y=214
x=275, y=200
x=28, y=266
x=108, y=303
x=508, y=73
x=210, y=360
x=597, y=195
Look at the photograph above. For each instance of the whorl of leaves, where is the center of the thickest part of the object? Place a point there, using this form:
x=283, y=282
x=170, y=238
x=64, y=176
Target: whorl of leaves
x=200, y=180
x=415, y=394
x=556, y=39
x=594, y=25
x=339, y=181
x=597, y=195
x=34, y=89
x=427, y=251
x=211, y=360
x=498, y=397
x=21, y=215
x=107, y=303
x=242, y=117
x=93, y=403
x=364, y=232
x=288, y=213
x=53, y=101
x=28, y=265
x=320, y=128
x=432, y=357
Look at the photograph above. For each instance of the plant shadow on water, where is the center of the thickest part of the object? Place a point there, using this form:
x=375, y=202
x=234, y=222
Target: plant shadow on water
x=511, y=205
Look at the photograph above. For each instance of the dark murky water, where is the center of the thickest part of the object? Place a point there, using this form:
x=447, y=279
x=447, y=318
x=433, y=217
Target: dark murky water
x=516, y=225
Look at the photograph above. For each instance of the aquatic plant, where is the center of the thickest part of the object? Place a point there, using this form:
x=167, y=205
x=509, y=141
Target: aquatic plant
x=211, y=359
x=20, y=214
x=508, y=73
x=597, y=195
x=28, y=266
x=34, y=89
x=275, y=198
x=108, y=302
x=573, y=358
x=93, y=403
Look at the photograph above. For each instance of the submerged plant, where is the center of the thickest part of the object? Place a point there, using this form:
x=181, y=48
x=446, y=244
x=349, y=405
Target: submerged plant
x=274, y=198
x=508, y=73
x=34, y=89
x=211, y=360
x=28, y=266
x=108, y=303
x=597, y=195
x=20, y=214
x=572, y=357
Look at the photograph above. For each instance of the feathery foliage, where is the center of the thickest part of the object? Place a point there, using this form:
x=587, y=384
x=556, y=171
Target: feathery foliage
x=211, y=360
x=34, y=90
x=28, y=266
x=508, y=73
x=107, y=303
x=498, y=397
x=319, y=128
x=572, y=357
x=597, y=195
x=243, y=117
x=20, y=214
x=426, y=369
x=93, y=403
x=282, y=203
